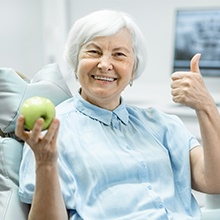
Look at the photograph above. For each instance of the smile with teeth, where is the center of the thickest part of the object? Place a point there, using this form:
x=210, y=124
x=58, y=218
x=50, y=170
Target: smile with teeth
x=104, y=78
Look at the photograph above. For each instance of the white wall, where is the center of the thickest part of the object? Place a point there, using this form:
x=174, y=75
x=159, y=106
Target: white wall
x=21, y=40
x=33, y=32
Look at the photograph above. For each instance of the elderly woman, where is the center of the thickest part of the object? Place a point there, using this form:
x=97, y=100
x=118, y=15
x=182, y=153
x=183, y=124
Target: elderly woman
x=102, y=159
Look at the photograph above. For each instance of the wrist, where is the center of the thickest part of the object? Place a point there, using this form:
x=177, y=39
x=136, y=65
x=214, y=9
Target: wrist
x=46, y=166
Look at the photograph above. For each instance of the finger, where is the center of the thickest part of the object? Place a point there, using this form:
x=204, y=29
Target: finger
x=175, y=91
x=177, y=75
x=175, y=83
x=37, y=129
x=19, y=129
x=194, y=63
x=52, y=132
x=57, y=125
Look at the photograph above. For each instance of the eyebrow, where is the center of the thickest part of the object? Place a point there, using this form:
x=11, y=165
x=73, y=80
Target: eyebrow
x=92, y=44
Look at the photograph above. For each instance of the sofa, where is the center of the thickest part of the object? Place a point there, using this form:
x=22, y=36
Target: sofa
x=14, y=90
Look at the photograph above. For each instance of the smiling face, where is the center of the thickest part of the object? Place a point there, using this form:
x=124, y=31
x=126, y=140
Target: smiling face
x=105, y=68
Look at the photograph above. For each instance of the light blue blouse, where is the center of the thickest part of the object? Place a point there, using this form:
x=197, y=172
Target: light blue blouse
x=126, y=164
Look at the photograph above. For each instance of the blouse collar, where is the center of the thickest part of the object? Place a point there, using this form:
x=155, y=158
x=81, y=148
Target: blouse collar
x=103, y=115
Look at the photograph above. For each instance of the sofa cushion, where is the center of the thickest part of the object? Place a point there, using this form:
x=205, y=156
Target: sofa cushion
x=48, y=82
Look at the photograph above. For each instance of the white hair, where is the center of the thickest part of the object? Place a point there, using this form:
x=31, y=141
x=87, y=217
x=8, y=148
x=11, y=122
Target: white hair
x=101, y=24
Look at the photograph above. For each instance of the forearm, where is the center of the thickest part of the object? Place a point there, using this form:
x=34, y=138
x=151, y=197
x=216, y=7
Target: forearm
x=209, y=121
x=47, y=203
x=188, y=88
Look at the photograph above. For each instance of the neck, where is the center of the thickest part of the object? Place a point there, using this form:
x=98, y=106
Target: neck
x=109, y=104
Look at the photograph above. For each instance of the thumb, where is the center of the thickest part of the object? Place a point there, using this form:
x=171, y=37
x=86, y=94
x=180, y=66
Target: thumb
x=194, y=64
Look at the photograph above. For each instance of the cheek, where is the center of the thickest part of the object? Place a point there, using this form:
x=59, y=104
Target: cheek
x=81, y=72
x=85, y=69
x=126, y=71
x=130, y=67
x=81, y=67
x=85, y=66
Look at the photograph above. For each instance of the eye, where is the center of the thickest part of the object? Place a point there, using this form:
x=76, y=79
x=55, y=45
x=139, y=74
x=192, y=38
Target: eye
x=119, y=55
x=94, y=52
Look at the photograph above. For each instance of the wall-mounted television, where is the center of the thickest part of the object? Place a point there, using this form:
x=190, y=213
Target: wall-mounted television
x=198, y=31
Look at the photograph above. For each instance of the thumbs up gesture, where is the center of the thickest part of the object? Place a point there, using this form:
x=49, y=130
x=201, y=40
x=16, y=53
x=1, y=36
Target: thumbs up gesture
x=188, y=88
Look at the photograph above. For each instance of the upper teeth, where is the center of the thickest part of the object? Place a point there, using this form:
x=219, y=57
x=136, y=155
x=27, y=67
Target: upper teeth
x=104, y=78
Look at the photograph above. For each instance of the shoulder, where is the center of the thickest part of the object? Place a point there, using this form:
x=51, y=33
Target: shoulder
x=152, y=114
x=162, y=125
x=65, y=107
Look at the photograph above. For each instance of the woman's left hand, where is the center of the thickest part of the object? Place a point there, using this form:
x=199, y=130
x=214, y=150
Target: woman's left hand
x=188, y=88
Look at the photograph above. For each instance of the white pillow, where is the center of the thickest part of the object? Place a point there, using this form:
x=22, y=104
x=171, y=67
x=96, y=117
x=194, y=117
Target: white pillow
x=48, y=82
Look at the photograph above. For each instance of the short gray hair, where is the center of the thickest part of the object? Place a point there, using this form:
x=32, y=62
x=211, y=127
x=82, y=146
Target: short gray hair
x=101, y=24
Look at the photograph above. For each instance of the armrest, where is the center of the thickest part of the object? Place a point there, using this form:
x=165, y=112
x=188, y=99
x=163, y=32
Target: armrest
x=211, y=211
x=10, y=156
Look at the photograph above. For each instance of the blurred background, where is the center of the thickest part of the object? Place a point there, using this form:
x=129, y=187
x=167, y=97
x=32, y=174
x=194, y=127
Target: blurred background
x=33, y=34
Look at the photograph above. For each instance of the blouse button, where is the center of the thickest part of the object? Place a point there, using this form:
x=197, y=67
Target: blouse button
x=149, y=187
x=128, y=147
x=143, y=164
x=160, y=205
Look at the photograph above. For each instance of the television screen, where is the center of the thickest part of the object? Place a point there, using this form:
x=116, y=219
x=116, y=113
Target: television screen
x=198, y=31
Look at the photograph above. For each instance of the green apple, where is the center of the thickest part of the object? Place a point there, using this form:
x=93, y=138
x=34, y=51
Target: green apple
x=37, y=107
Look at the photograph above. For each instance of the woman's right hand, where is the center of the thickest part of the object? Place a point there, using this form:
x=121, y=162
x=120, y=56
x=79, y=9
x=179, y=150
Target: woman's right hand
x=47, y=201
x=43, y=145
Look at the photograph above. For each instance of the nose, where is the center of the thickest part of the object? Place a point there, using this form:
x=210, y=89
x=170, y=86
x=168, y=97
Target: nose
x=105, y=63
